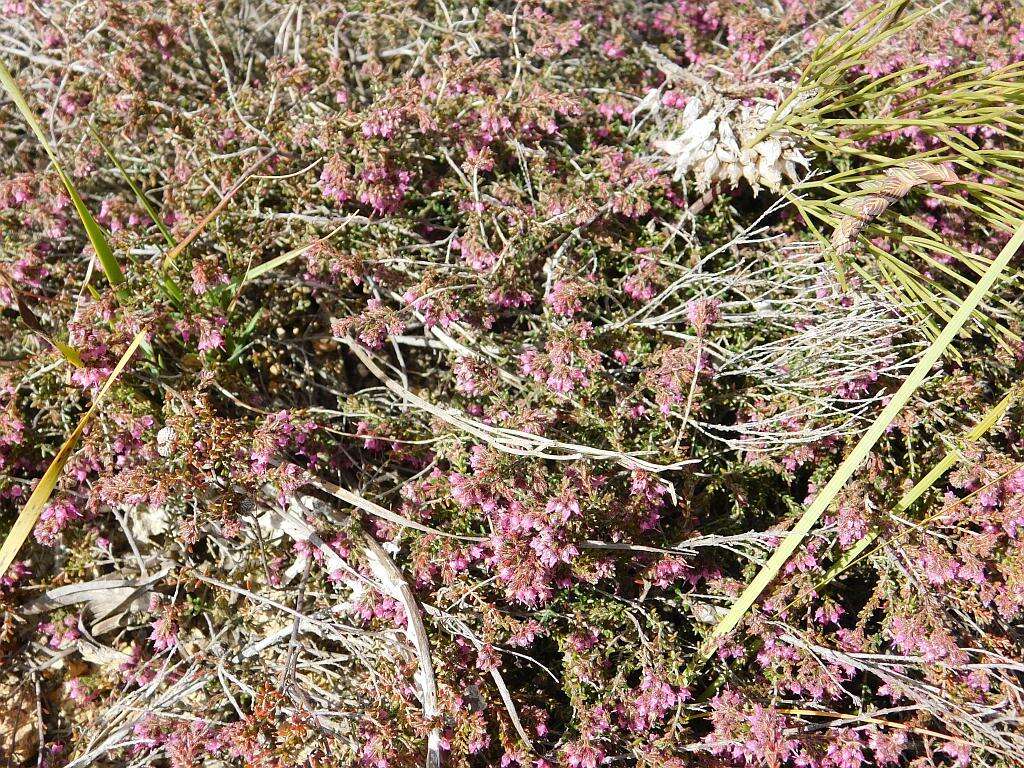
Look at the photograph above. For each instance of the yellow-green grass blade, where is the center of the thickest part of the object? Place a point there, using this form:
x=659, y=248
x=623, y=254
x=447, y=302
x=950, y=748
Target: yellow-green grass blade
x=99, y=241
x=862, y=449
x=67, y=351
x=274, y=263
x=989, y=420
x=284, y=258
x=40, y=496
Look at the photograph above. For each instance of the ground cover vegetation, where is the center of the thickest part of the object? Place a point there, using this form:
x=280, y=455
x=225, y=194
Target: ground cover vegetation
x=545, y=383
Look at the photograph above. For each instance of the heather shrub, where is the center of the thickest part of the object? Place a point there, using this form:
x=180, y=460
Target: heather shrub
x=511, y=384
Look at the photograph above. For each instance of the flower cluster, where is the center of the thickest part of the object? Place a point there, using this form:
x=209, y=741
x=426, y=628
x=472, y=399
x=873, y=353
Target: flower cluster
x=463, y=364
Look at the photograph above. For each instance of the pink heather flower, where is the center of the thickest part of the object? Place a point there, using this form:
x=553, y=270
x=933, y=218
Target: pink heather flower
x=382, y=122
x=335, y=180
x=493, y=124
x=16, y=192
x=29, y=271
x=937, y=564
x=829, y=613
x=164, y=634
x=211, y=336
x=565, y=296
x=437, y=306
x=11, y=429
x=640, y=287
x=613, y=49
x=54, y=519
x=17, y=571
x=672, y=379
x=674, y=99
x=506, y=299
x=472, y=491
x=614, y=108
x=488, y=659
x=668, y=570
x=702, y=314
x=851, y=525
x=566, y=364
x=655, y=700
x=563, y=507
x=580, y=754
x=91, y=377
x=961, y=38
x=372, y=606
x=207, y=275
x=887, y=746
x=148, y=733
x=551, y=549
x=527, y=634
x=383, y=188
x=583, y=640
x=646, y=487
x=371, y=441
x=477, y=256
x=78, y=692
x=61, y=634
x=372, y=327
x=192, y=743
x=845, y=751
x=752, y=735
x=471, y=376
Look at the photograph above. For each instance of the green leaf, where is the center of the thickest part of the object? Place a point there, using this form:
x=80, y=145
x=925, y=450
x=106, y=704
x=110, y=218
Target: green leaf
x=99, y=241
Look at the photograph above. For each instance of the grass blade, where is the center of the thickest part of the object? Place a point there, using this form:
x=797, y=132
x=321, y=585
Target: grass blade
x=139, y=194
x=28, y=317
x=863, y=447
x=99, y=241
x=37, y=501
x=989, y=420
x=168, y=283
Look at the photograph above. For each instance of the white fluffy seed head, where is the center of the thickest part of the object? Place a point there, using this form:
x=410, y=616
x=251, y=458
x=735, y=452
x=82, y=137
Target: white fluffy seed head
x=719, y=140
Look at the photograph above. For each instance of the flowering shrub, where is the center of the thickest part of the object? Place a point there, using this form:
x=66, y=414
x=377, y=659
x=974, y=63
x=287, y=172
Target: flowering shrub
x=469, y=361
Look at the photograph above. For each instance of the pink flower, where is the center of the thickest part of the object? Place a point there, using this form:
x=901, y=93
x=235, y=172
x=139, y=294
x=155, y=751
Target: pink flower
x=656, y=699
x=703, y=313
x=78, y=692
x=566, y=363
x=493, y=124
x=472, y=377
x=613, y=49
x=164, y=634
x=565, y=296
x=207, y=275
x=335, y=181
x=579, y=754
x=54, y=519
x=211, y=336
x=373, y=326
